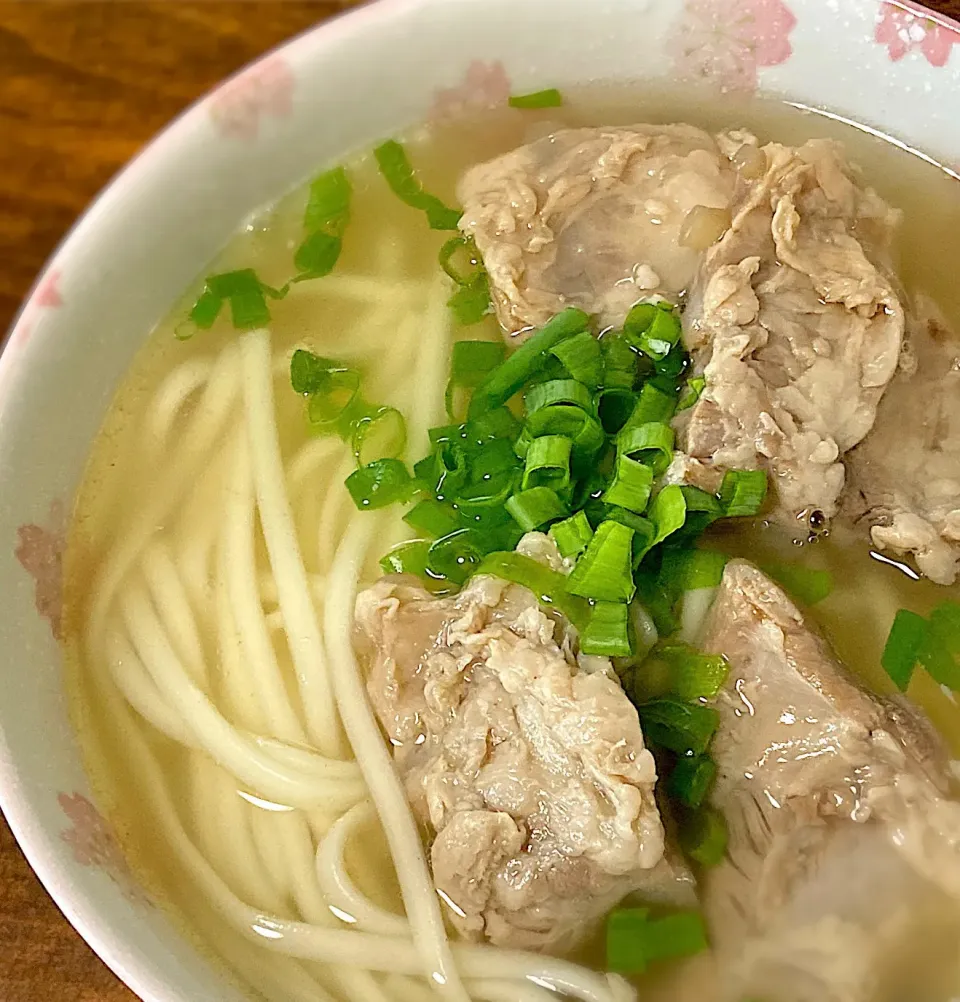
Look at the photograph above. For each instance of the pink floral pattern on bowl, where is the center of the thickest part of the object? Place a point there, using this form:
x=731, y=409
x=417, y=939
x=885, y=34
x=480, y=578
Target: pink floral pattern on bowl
x=239, y=105
x=727, y=42
x=484, y=85
x=94, y=844
x=906, y=27
x=39, y=551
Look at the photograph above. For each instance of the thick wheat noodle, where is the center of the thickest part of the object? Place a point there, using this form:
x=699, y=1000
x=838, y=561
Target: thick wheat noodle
x=333, y=781
x=335, y=505
x=340, y=890
x=205, y=426
x=276, y=521
x=426, y=409
x=170, y=399
x=419, y=895
x=173, y=607
x=140, y=691
x=256, y=654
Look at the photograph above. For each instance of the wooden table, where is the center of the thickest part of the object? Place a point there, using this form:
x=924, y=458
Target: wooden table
x=82, y=86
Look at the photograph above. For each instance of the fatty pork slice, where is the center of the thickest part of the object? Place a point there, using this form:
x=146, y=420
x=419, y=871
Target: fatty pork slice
x=905, y=476
x=529, y=771
x=593, y=218
x=844, y=842
x=795, y=325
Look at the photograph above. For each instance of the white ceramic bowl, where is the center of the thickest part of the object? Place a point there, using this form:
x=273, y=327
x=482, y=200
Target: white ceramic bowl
x=368, y=74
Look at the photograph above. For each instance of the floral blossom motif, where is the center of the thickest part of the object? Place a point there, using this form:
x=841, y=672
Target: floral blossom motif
x=48, y=291
x=94, y=844
x=903, y=27
x=485, y=85
x=39, y=551
x=265, y=89
x=726, y=42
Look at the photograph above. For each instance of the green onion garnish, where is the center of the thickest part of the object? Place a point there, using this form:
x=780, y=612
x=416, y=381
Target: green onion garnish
x=536, y=507
x=310, y=373
x=456, y=556
x=604, y=572
x=684, y=728
x=691, y=392
x=634, y=940
x=691, y=780
x=471, y=303
x=803, y=583
x=396, y=169
x=689, y=570
x=509, y=377
x=558, y=391
x=324, y=220
x=328, y=405
x=548, y=463
x=668, y=512
x=653, y=406
x=471, y=363
x=945, y=620
x=407, y=558
x=652, y=328
x=704, y=837
x=380, y=483
x=549, y=98
x=549, y=586
x=902, y=650
x=619, y=362
x=244, y=291
x=432, y=517
x=573, y=535
x=695, y=676
x=607, y=631
x=584, y=431
x=581, y=356
x=651, y=444
x=631, y=485
x=743, y=492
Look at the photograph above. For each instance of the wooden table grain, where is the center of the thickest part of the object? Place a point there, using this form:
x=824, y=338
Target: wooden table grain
x=83, y=85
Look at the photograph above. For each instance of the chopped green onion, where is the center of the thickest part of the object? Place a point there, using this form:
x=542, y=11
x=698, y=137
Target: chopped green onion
x=509, y=377
x=328, y=205
x=653, y=406
x=691, y=392
x=327, y=406
x=704, y=837
x=382, y=434
x=902, y=650
x=619, y=362
x=548, y=463
x=572, y=535
x=743, y=492
x=614, y=406
x=550, y=98
x=689, y=570
x=456, y=556
x=634, y=941
x=651, y=444
x=691, y=780
x=407, y=558
x=558, y=391
x=684, y=728
x=549, y=586
x=631, y=485
x=317, y=255
x=395, y=167
x=653, y=329
x=471, y=303
x=643, y=530
x=945, y=620
x=470, y=364
x=379, y=484
x=607, y=632
x=433, y=517
x=668, y=512
x=604, y=573
x=498, y=423
x=206, y=310
x=449, y=468
x=939, y=662
x=471, y=269
x=245, y=291
x=585, y=432
x=310, y=373
x=695, y=676
x=804, y=583
x=656, y=600
x=536, y=507
x=581, y=356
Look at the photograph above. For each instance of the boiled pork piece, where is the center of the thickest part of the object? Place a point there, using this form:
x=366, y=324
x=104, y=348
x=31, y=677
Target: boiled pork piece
x=795, y=325
x=594, y=218
x=528, y=769
x=843, y=835
x=905, y=476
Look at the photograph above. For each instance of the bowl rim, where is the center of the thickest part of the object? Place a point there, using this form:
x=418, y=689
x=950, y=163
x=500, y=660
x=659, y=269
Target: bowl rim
x=16, y=807
x=20, y=814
